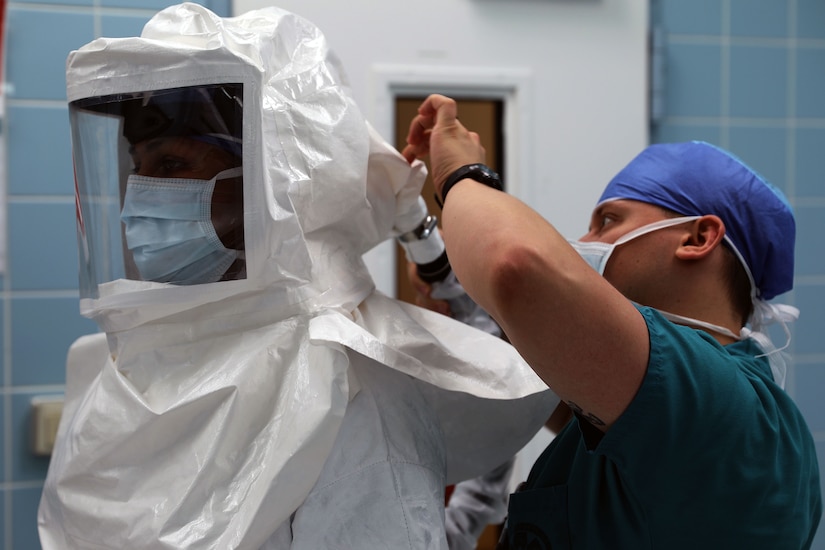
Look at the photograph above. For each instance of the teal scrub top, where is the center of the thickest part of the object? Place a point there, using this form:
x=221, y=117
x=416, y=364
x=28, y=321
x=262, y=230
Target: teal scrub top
x=711, y=453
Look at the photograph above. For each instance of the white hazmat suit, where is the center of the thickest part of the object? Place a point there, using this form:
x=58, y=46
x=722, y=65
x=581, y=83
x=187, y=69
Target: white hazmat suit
x=293, y=406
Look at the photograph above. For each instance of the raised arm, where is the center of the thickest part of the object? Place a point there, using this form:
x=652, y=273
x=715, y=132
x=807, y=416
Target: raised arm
x=580, y=335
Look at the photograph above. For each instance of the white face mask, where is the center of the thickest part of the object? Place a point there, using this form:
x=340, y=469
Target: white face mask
x=170, y=232
x=597, y=254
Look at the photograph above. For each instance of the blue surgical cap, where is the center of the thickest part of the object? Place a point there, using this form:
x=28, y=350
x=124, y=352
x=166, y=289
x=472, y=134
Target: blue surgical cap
x=697, y=178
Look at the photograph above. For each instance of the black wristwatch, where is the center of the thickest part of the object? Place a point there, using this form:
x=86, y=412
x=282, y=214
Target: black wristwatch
x=478, y=172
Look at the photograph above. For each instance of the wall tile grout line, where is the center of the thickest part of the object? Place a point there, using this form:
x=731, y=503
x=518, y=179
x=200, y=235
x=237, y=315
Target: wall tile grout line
x=40, y=320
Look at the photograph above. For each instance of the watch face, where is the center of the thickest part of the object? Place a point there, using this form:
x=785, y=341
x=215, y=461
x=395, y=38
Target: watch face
x=491, y=178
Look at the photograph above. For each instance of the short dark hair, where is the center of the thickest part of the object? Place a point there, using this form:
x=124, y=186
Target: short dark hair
x=739, y=284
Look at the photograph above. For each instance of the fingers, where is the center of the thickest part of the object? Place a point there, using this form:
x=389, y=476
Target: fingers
x=435, y=110
x=436, y=132
x=440, y=108
x=420, y=129
x=410, y=153
x=438, y=306
x=418, y=139
x=422, y=292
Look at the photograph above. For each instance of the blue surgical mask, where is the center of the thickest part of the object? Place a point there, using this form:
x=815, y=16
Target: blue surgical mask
x=169, y=229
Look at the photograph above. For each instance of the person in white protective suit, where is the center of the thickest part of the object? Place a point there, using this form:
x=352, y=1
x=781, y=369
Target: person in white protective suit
x=250, y=387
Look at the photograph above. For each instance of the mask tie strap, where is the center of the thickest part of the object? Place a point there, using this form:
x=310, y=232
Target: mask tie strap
x=661, y=224
x=765, y=314
x=689, y=321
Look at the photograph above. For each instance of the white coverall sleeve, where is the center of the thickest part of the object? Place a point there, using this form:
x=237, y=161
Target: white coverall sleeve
x=475, y=504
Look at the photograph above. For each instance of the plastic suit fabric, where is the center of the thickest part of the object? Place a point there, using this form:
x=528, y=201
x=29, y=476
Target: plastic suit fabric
x=250, y=413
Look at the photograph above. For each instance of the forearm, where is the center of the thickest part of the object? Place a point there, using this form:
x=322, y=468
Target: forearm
x=549, y=302
x=494, y=240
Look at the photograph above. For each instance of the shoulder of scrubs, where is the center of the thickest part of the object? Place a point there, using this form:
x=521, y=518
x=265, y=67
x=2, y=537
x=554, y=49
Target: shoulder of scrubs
x=710, y=427
x=709, y=454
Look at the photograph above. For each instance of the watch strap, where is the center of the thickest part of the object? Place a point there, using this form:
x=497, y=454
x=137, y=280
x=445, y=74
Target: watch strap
x=477, y=171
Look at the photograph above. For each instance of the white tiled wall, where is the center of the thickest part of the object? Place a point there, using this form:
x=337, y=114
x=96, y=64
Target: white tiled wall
x=748, y=75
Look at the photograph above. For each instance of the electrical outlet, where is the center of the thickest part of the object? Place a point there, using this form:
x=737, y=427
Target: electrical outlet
x=45, y=416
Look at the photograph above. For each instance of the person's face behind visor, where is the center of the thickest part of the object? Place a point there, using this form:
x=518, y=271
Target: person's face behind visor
x=183, y=202
x=180, y=157
x=159, y=185
x=183, y=193
x=189, y=158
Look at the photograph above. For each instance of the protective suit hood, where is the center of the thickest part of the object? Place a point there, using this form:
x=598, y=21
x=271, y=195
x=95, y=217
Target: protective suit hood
x=215, y=405
x=310, y=212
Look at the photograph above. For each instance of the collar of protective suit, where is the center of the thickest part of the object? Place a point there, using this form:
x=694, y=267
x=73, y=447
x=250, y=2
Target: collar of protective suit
x=253, y=376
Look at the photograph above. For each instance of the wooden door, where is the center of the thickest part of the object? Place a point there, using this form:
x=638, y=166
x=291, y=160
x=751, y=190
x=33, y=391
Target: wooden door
x=485, y=117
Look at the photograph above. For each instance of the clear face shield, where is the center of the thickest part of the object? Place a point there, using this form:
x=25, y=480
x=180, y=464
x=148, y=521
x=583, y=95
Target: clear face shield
x=159, y=186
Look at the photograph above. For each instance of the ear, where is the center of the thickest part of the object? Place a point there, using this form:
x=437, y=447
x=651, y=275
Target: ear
x=701, y=238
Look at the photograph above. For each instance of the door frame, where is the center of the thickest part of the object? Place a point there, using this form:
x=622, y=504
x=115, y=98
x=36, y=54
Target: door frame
x=512, y=86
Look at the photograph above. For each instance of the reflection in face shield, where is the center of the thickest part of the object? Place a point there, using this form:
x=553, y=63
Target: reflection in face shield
x=180, y=222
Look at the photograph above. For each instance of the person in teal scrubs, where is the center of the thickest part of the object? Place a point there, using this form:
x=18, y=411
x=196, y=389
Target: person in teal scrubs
x=652, y=330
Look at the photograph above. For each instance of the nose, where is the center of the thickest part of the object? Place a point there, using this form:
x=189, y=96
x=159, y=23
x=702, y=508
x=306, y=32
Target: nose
x=588, y=237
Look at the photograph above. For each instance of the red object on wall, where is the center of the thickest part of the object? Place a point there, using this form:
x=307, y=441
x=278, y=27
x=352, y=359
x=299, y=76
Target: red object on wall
x=2, y=46
x=448, y=491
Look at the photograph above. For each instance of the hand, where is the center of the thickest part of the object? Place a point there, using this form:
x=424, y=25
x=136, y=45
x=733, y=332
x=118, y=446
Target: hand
x=422, y=292
x=437, y=132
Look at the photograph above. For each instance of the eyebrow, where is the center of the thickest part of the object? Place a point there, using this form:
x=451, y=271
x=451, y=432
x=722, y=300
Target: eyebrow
x=151, y=145
x=597, y=212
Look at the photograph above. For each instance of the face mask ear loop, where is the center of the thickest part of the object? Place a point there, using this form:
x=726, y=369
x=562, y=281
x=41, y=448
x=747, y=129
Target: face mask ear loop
x=235, y=172
x=649, y=228
x=644, y=230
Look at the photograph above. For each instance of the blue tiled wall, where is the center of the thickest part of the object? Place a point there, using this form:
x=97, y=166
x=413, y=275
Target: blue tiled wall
x=749, y=75
x=39, y=317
